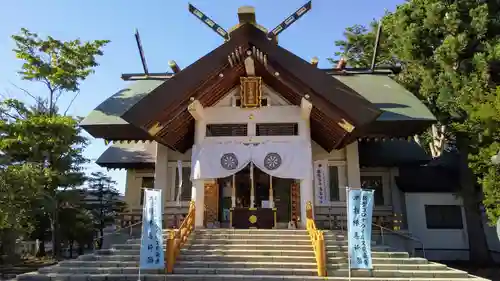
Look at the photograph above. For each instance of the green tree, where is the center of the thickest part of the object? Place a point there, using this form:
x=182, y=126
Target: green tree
x=60, y=65
x=103, y=201
x=56, y=140
x=19, y=188
x=449, y=53
x=76, y=222
x=30, y=137
x=358, y=47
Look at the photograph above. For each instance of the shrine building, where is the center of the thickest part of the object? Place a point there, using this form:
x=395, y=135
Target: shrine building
x=251, y=132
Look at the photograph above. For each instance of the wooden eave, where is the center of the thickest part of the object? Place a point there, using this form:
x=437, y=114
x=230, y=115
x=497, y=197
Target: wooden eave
x=356, y=107
x=325, y=130
x=178, y=129
x=211, y=77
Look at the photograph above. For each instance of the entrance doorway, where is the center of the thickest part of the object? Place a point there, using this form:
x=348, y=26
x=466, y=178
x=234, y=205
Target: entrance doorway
x=282, y=199
x=242, y=193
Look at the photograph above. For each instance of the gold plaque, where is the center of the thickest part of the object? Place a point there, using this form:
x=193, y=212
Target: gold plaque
x=252, y=219
x=251, y=91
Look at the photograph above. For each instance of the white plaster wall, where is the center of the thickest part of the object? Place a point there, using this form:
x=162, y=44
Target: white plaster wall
x=451, y=241
x=134, y=179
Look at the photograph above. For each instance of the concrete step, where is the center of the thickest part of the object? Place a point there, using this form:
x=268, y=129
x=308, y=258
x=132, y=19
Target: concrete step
x=247, y=271
x=395, y=267
x=263, y=247
x=87, y=263
x=214, y=277
x=380, y=260
x=252, y=231
x=268, y=252
x=334, y=248
x=274, y=241
x=98, y=270
x=334, y=255
x=201, y=248
x=343, y=242
x=245, y=264
x=255, y=236
x=446, y=273
x=182, y=270
x=115, y=258
x=247, y=257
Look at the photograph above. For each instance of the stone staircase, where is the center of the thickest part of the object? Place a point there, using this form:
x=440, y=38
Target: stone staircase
x=224, y=254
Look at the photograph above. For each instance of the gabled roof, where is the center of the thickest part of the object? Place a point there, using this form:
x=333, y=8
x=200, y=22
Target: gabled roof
x=128, y=155
x=209, y=78
x=109, y=113
x=374, y=104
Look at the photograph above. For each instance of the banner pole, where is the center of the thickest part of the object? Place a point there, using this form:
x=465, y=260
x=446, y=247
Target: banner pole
x=348, y=240
x=142, y=232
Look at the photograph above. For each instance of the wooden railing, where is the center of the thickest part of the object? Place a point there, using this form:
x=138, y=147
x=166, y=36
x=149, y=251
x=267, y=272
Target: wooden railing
x=177, y=239
x=317, y=240
x=339, y=221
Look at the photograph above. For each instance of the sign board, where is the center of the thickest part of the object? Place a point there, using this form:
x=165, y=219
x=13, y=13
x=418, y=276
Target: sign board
x=359, y=228
x=251, y=91
x=322, y=183
x=151, y=253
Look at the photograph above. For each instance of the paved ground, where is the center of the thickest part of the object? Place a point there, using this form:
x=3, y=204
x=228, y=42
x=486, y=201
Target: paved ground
x=492, y=273
x=26, y=265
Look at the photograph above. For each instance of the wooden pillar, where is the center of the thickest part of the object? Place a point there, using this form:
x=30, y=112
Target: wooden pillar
x=271, y=195
x=233, y=192
x=252, y=188
x=161, y=175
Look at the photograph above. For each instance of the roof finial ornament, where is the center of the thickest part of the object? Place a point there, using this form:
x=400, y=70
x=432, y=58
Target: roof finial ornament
x=173, y=65
x=290, y=20
x=314, y=61
x=341, y=64
x=141, y=52
x=246, y=14
x=209, y=22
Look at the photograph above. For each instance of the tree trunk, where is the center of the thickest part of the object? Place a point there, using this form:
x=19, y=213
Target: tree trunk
x=80, y=248
x=8, y=241
x=101, y=234
x=41, y=247
x=54, y=227
x=71, y=243
x=478, y=246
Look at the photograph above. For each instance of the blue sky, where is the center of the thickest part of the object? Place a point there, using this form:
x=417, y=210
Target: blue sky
x=168, y=31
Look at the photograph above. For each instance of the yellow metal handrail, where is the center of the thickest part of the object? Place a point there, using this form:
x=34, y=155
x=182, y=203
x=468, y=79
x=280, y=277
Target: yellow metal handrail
x=317, y=240
x=176, y=240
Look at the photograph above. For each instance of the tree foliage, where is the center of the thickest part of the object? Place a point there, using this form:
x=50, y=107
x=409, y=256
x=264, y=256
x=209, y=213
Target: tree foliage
x=449, y=52
x=41, y=150
x=60, y=65
x=76, y=221
x=103, y=201
x=19, y=188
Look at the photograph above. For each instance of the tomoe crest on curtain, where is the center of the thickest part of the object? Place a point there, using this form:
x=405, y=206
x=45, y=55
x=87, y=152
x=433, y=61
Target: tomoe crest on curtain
x=272, y=161
x=229, y=161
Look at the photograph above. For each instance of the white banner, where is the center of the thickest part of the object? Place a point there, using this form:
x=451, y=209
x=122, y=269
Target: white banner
x=179, y=174
x=322, y=182
x=151, y=253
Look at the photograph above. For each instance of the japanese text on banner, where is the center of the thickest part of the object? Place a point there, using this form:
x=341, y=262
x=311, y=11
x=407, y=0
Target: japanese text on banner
x=360, y=227
x=152, y=255
x=321, y=182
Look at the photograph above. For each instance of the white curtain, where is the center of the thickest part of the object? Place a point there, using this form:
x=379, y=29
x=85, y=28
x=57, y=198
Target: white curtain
x=279, y=159
x=283, y=159
x=218, y=160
